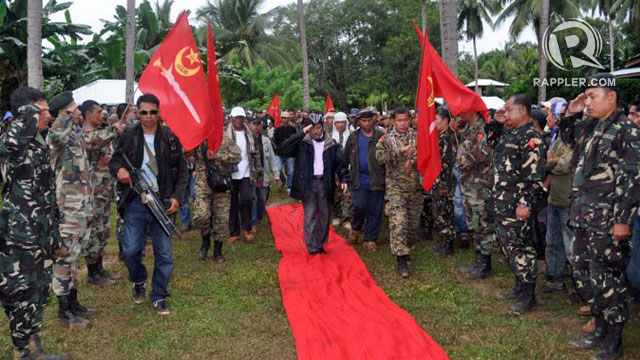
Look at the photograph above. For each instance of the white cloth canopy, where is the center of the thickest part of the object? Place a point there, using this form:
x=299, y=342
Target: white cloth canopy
x=486, y=82
x=110, y=92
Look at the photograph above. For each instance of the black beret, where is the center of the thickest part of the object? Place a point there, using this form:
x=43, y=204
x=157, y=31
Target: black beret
x=59, y=102
x=602, y=80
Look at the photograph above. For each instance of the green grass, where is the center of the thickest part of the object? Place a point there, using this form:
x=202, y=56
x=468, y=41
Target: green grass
x=234, y=311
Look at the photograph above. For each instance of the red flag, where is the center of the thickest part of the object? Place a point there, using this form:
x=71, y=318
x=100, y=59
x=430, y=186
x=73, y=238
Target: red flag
x=274, y=110
x=429, y=163
x=215, y=139
x=460, y=98
x=329, y=106
x=176, y=76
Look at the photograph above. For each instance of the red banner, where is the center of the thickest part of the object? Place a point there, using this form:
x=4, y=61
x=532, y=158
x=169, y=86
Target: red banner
x=215, y=138
x=176, y=76
x=274, y=110
x=329, y=106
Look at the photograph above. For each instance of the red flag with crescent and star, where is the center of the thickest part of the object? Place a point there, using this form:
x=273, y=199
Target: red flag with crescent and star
x=429, y=163
x=215, y=139
x=274, y=111
x=176, y=76
x=329, y=106
x=460, y=99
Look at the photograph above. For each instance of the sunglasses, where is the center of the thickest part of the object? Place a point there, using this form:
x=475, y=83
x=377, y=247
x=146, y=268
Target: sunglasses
x=145, y=112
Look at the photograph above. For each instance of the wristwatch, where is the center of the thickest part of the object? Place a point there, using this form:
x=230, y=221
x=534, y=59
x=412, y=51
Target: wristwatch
x=523, y=203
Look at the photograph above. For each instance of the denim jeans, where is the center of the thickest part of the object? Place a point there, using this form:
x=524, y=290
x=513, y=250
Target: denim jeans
x=137, y=221
x=185, y=207
x=366, y=211
x=559, y=237
x=287, y=163
x=633, y=270
x=260, y=196
x=458, y=207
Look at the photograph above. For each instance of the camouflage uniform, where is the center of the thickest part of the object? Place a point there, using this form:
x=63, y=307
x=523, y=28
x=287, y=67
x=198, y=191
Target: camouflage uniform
x=402, y=189
x=98, y=146
x=74, y=194
x=518, y=175
x=606, y=189
x=443, y=189
x=28, y=227
x=475, y=171
x=212, y=208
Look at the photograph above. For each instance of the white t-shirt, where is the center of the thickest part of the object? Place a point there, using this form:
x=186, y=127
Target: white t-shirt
x=148, y=174
x=243, y=165
x=318, y=163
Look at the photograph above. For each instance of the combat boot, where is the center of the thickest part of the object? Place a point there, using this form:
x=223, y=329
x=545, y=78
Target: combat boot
x=67, y=317
x=95, y=278
x=38, y=353
x=465, y=242
x=469, y=269
x=439, y=248
x=104, y=273
x=527, y=299
x=76, y=308
x=217, y=252
x=447, y=249
x=204, y=248
x=403, y=266
x=483, y=270
x=513, y=294
x=22, y=354
x=612, y=347
x=596, y=338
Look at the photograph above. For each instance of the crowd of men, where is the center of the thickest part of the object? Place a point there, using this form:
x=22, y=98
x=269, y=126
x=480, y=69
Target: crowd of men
x=554, y=189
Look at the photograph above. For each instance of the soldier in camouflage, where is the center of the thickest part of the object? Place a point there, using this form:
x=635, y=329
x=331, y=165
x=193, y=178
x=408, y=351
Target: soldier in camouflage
x=442, y=191
x=98, y=146
x=474, y=162
x=74, y=195
x=29, y=234
x=606, y=192
x=517, y=178
x=212, y=208
x=397, y=151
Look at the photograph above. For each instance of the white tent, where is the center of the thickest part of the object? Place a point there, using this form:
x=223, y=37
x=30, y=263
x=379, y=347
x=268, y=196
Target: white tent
x=486, y=82
x=110, y=92
x=492, y=102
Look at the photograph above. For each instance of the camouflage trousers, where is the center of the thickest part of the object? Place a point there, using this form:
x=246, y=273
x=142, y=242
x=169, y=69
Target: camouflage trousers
x=581, y=261
x=516, y=239
x=404, y=209
x=101, y=224
x=211, y=210
x=609, y=259
x=427, y=217
x=442, y=212
x=479, y=224
x=342, y=203
x=23, y=293
x=75, y=230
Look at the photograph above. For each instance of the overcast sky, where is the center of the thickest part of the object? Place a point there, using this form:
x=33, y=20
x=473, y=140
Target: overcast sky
x=90, y=12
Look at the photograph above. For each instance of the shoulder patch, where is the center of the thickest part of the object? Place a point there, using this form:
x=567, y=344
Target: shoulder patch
x=532, y=144
x=480, y=136
x=381, y=139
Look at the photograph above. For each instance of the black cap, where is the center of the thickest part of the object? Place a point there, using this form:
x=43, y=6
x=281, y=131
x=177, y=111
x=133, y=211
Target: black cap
x=255, y=119
x=602, y=80
x=315, y=118
x=354, y=112
x=59, y=102
x=364, y=114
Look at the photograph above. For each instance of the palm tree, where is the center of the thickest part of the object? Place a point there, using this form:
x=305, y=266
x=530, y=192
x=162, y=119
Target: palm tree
x=305, y=57
x=34, y=44
x=240, y=31
x=130, y=48
x=470, y=17
x=449, y=34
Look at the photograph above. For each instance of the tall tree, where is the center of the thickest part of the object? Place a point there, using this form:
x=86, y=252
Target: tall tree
x=305, y=57
x=449, y=34
x=542, y=68
x=34, y=44
x=130, y=48
x=471, y=15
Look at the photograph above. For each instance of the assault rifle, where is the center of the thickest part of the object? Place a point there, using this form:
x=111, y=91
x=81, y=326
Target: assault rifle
x=150, y=198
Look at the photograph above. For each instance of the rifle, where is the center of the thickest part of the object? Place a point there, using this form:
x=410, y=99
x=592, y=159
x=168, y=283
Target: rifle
x=149, y=197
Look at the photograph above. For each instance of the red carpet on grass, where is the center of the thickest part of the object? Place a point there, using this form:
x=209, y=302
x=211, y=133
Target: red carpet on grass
x=335, y=309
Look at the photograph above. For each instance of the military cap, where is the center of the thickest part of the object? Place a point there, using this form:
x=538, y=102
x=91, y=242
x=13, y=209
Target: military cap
x=59, y=102
x=365, y=114
x=316, y=118
x=354, y=112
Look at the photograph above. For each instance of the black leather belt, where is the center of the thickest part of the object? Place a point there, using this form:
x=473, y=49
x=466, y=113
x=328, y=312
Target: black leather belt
x=318, y=177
